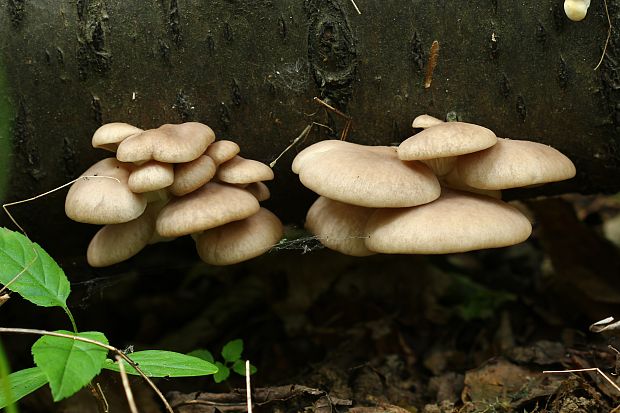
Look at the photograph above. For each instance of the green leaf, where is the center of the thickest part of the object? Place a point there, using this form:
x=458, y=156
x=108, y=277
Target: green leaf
x=21, y=383
x=159, y=363
x=232, y=350
x=472, y=301
x=222, y=372
x=69, y=364
x=239, y=368
x=43, y=283
x=203, y=354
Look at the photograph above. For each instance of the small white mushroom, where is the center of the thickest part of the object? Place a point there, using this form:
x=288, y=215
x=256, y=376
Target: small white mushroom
x=576, y=10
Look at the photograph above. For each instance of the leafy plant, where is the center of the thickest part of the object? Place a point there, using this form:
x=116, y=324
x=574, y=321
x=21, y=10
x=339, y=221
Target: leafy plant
x=472, y=301
x=231, y=355
x=66, y=360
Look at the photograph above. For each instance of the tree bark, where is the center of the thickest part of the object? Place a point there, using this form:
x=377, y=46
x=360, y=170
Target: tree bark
x=251, y=68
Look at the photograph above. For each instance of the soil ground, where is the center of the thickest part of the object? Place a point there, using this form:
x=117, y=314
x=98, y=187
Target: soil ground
x=436, y=334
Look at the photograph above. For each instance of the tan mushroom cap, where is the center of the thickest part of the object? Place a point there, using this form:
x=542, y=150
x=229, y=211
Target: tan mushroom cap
x=446, y=139
x=454, y=181
x=339, y=226
x=426, y=121
x=151, y=176
x=373, y=178
x=222, y=151
x=259, y=190
x=239, y=170
x=210, y=206
x=110, y=135
x=168, y=143
x=240, y=240
x=514, y=163
x=116, y=243
x=105, y=200
x=456, y=222
x=327, y=145
x=192, y=175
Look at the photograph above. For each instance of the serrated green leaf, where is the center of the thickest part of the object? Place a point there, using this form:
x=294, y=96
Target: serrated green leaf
x=202, y=353
x=232, y=350
x=43, y=283
x=69, y=364
x=22, y=383
x=159, y=363
x=239, y=368
x=222, y=372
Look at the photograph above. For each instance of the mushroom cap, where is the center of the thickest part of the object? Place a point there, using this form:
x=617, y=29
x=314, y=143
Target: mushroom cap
x=110, y=135
x=168, y=143
x=259, y=190
x=222, y=151
x=426, y=121
x=446, y=139
x=372, y=178
x=576, y=10
x=327, y=145
x=115, y=243
x=192, y=175
x=151, y=176
x=454, y=181
x=239, y=170
x=339, y=226
x=104, y=200
x=240, y=240
x=212, y=205
x=514, y=163
x=456, y=222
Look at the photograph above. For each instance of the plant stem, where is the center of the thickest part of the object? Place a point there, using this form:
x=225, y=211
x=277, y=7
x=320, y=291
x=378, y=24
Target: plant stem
x=6, y=386
x=68, y=312
x=96, y=343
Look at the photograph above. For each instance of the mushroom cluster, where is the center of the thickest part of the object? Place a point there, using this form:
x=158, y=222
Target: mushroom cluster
x=168, y=182
x=438, y=192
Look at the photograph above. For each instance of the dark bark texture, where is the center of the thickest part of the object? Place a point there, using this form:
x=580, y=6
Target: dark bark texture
x=250, y=69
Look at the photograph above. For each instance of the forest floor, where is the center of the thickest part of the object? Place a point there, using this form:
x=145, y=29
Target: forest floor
x=461, y=333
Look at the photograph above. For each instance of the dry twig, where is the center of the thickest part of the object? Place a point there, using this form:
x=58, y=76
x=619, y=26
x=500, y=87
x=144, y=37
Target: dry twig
x=609, y=28
x=347, y=125
x=126, y=386
x=302, y=136
x=596, y=369
x=247, y=385
x=6, y=210
x=108, y=347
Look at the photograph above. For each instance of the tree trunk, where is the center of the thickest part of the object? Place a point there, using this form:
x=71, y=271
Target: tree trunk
x=250, y=69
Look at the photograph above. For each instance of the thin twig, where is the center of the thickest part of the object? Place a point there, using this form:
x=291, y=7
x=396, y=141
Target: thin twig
x=97, y=393
x=301, y=136
x=106, y=405
x=19, y=274
x=609, y=27
x=596, y=369
x=348, y=119
x=356, y=8
x=247, y=386
x=36, y=254
x=96, y=343
x=330, y=107
x=432, y=63
x=126, y=386
x=5, y=206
